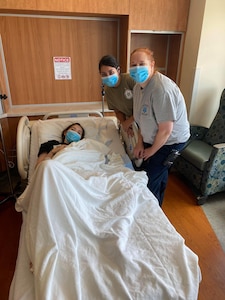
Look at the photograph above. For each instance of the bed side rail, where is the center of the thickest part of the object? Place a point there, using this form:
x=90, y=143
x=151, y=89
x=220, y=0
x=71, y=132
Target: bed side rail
x=23, y=146
x=73, y=114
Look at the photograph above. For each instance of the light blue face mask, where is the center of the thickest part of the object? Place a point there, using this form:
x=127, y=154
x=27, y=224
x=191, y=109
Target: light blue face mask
x=111, y=80
x=140, y=73
x=72, y=136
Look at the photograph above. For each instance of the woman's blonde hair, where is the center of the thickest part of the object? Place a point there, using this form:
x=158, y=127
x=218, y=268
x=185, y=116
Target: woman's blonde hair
x=147, y=51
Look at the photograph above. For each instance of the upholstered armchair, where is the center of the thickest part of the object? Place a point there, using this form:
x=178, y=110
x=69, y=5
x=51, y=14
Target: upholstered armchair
x=202, y=162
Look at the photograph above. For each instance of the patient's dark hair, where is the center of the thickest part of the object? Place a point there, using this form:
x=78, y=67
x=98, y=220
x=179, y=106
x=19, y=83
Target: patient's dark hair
x=108, y=60
x=83, y=131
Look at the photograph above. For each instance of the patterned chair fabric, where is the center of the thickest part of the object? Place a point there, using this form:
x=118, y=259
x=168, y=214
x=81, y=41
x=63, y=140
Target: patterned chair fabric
x=202, y=162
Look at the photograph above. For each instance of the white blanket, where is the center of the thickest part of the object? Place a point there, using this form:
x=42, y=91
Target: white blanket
x=94, y=231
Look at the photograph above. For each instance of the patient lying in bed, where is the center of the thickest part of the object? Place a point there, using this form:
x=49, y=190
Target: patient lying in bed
x=93, y=230
x=73, y=133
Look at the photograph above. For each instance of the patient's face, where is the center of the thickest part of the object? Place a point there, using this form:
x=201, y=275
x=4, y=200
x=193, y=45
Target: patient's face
x=77, y=128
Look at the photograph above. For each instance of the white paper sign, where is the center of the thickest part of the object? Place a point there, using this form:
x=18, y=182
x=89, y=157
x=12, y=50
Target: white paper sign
x=62, y=67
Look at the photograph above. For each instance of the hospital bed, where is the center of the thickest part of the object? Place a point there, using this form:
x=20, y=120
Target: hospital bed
x=91, y=228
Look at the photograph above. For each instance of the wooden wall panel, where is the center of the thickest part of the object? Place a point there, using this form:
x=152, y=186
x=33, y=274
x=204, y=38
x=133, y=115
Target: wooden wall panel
x=68, y=6
x=123, y=43
x=3, y=86
x=166, y=49
x=156, y=42
x=174, y=57
x=30, y=43
x=170, y=15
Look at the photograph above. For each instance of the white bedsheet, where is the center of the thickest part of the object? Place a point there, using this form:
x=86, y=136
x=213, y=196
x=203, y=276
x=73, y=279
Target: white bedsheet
x=92, y=230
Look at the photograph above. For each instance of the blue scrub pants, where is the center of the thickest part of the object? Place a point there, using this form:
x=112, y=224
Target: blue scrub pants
x=156, y=171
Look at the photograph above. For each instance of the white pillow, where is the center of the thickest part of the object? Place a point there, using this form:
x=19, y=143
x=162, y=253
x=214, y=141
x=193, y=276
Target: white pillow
x=52, y=129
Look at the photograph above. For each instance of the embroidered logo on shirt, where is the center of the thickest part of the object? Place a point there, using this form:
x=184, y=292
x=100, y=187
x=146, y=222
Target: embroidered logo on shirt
x=144, y=110
x=128, y=94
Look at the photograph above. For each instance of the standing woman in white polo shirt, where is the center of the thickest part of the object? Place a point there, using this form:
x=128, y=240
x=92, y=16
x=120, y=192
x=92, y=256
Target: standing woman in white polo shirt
x=160, y=112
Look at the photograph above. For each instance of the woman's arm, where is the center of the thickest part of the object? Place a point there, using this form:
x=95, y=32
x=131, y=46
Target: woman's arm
x=126, y=123
x=164, y=131
x=120, y=116
x=49, y=155
x=139, y=148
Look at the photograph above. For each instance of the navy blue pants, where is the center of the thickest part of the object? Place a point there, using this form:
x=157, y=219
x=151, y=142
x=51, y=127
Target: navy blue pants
x=156, y=171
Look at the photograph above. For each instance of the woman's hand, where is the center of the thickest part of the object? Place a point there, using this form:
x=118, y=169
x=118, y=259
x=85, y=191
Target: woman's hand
x=56, y=149
x=164, y=131
x=130, y=131
x=139, y=147
x=127, y=127
x=49, y=155
x=147, y=153
x=139, y=150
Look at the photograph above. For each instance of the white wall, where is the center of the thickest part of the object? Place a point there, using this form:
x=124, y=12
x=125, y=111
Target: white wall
x=203, y=68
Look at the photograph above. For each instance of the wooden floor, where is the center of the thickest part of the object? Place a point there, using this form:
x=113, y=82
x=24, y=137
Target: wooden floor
x=10, y=223
x=179, y=205
x=190, y=221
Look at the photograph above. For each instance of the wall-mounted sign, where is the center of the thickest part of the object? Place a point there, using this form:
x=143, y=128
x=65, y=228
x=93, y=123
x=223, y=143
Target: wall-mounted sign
x=62, y=67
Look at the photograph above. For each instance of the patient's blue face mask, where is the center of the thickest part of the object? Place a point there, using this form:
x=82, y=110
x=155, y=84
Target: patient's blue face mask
x=140, y=73
x=110, y=80
x=72, y=136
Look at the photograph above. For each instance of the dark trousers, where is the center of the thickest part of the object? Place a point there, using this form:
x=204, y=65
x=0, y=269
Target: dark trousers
x=156, y=171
